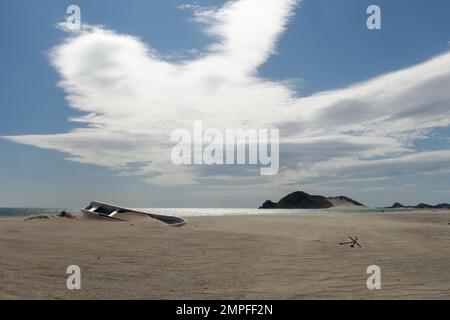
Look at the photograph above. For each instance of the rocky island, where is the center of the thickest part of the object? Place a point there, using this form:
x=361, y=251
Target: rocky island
x=398, y=205
x=303, y=200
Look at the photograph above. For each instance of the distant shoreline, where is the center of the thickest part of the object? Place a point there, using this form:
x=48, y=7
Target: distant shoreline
x=200, y=212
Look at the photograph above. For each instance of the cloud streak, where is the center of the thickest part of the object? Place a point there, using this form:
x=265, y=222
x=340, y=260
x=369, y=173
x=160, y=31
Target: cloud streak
x=132, y=100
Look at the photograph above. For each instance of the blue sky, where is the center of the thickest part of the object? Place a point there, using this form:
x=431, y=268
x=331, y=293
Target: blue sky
x=326, y=46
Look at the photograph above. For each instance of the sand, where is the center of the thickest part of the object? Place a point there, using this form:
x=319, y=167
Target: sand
x=243, y=257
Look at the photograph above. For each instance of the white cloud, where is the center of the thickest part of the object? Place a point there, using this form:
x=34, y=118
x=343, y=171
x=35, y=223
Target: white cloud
x=187, y=6
x=351, y=169
x=133, y=99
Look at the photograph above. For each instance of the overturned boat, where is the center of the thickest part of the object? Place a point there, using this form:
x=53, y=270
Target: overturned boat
x=100, y=210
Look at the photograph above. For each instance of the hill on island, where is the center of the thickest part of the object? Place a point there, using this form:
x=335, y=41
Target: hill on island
x=303, y=200
x=398, y=205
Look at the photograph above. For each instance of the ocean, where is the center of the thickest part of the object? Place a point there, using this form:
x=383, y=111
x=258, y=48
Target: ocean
x=197, y=212
x=24, y=212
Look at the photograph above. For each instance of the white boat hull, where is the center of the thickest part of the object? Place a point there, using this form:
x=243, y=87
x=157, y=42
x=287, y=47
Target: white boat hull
x=104, y=211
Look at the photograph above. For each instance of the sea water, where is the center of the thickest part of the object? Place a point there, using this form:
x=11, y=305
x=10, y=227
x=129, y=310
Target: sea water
x=202, y=212
x=24, y=212
x=199, y=212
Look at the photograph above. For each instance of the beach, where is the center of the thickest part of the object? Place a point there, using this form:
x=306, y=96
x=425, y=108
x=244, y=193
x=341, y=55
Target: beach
x=229, y=257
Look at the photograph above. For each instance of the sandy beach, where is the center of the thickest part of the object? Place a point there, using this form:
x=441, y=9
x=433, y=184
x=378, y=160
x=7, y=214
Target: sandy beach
x=238, y=257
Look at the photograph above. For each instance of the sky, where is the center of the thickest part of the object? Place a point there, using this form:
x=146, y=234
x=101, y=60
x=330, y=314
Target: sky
x=88, y=115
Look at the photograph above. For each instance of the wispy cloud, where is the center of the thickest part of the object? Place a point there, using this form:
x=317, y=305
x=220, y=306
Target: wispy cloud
x=133, y=98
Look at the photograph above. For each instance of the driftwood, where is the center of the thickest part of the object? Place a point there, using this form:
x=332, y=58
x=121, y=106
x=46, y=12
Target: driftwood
x=65, y=214
x=352, y=243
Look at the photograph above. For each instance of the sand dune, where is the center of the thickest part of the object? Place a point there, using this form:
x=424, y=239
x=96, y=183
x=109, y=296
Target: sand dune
x=243, y=257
